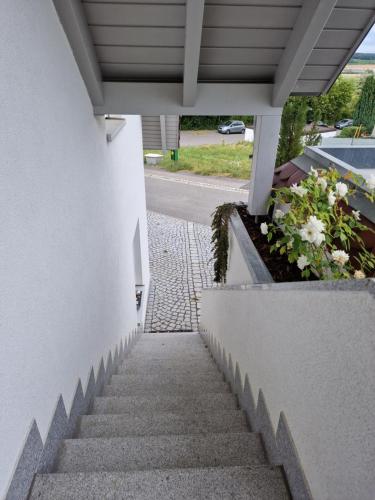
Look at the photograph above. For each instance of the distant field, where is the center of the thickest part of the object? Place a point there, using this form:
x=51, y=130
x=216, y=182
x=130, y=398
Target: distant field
x=359, y=70
x=362, y=61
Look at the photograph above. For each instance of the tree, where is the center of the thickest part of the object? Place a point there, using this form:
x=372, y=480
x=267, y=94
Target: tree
x=364, y=113
x=336, y=103
x=312, y=137
x=293, y=121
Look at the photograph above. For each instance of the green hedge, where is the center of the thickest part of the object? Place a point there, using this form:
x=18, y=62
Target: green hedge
x=348, y=132
x=209, y=122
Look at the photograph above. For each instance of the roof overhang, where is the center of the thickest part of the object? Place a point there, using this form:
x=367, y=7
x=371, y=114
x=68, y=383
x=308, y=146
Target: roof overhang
x=212, y=56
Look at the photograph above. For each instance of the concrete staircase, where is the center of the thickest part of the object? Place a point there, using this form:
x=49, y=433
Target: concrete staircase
x=166, y=427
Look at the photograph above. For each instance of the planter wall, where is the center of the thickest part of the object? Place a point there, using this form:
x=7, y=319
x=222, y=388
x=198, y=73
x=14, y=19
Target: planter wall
x=245, y=265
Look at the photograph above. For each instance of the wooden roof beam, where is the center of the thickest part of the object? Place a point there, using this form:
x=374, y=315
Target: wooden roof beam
x=310, y=24
x=193, y=37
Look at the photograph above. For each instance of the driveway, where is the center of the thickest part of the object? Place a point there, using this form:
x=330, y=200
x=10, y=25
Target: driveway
x=188, y=196
x=207, y=137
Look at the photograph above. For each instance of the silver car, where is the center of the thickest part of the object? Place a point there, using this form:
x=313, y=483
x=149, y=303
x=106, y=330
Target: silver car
x=346, y=122
x=232, y=127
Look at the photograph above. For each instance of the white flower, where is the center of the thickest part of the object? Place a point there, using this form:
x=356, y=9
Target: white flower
x=313, y=172
x=317, y=223
x=264, y=228
x=370, y=182
x=302, y=262
x=331, y=198
x=279, y=214
x=312, y=231
x=308, y=233
x=356, y=214
x=322, y=183
x=359, y=275
x=299, y=190
x=320, y=237
x=341, y=189
x=340, y=257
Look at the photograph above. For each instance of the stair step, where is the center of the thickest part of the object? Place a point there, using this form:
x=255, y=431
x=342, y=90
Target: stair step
x=164, y=403
x=146, y=364
x=199, y=355
x=172, y=338
x=152, y=452
x=164, y=372
x=165, y=378
x=122, y=387
x=161, y=423
x=165, y=353
x=241, y=483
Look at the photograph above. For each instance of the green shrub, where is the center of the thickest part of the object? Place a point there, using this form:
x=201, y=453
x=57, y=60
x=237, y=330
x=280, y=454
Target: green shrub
x=348, y=132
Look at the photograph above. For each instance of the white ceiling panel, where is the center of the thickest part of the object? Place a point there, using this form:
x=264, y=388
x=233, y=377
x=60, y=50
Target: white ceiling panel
x=142, y=72
x=238, y=73
x=349, y=19
x=245, y=37
x=238, y=16
x=130, y=14
x=138, y=36
x=240, y=56
x=137, y=55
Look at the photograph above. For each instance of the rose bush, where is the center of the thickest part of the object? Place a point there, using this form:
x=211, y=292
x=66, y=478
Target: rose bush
x=315, y=231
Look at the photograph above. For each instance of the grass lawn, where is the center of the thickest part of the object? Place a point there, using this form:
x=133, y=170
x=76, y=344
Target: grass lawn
x=229, y=160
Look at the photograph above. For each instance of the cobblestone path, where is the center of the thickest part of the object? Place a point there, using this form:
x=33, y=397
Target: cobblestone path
x=180, y=267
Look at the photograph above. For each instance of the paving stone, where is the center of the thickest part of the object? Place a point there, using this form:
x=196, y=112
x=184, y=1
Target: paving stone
x=180, y=263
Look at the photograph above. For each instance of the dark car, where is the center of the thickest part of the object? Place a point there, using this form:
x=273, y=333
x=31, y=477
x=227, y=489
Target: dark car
x=232, y=127
x=346, y=122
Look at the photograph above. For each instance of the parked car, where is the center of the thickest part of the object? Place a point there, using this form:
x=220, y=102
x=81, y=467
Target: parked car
x=346, y=122
x=232, y=127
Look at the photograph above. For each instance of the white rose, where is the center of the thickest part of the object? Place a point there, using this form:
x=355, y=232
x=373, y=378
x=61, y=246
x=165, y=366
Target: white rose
x=331, y=198
x=312, y=231
x=359, y=275
x=308, y=234
x=356, y=214
x=322, y=183
x=320, y=237
x=264, y=228
x=279, y=214
x=317, y=223
x=340, y=257
x=302, y=262
x=298, y=190
x=370, y=182
x=313, y=172
x=341, y=189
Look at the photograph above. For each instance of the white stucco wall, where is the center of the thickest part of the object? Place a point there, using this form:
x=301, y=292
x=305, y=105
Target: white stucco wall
x=237, y=272
x=312, y=353
x=69, y=206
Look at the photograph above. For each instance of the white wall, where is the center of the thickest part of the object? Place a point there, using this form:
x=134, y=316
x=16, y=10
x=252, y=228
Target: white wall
x=69, y=206
x=312, y=353
x=237, y=271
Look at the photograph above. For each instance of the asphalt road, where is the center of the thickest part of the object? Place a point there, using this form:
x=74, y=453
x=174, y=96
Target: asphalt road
x=188, y=196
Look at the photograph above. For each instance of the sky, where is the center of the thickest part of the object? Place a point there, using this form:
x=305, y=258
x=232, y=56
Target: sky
x=368, y=44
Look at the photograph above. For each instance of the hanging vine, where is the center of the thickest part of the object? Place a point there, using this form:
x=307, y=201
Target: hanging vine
x=220, y=239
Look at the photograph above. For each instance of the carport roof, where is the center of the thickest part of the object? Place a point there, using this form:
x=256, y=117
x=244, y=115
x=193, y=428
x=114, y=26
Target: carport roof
x=297, y=46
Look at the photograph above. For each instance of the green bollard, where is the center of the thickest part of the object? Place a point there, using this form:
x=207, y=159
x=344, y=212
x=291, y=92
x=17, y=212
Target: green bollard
x=174, y=154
